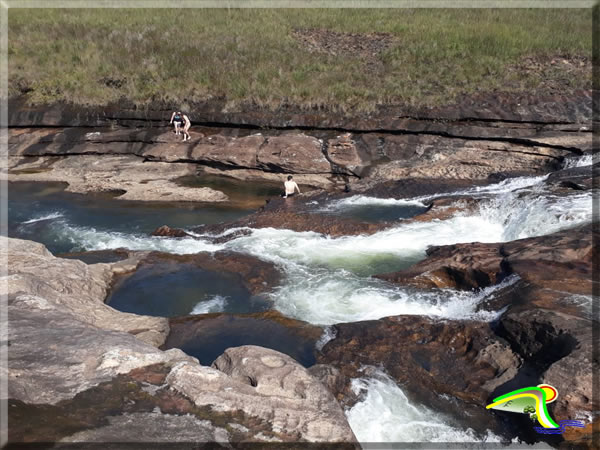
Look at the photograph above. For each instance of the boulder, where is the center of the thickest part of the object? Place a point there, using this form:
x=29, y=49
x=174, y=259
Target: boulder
x=559, y=261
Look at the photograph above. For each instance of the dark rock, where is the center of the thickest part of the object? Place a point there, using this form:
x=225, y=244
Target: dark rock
x=560, y=347
x=258, y=276
x=292, y=214
x=502, y=112
x=169, y=232
x=430, y=360
x=560, y=261
x=98, y=256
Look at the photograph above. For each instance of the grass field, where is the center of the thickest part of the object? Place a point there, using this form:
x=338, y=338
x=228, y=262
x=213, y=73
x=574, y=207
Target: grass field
x=283, y=56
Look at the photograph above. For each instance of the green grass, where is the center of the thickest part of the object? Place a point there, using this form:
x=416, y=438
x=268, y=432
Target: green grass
x=97, y=56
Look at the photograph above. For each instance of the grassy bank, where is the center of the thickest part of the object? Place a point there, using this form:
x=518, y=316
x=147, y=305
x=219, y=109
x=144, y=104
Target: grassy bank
x=347, y=59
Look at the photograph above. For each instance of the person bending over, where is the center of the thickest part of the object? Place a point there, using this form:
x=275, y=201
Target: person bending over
x=290, y=187
x=177, y=121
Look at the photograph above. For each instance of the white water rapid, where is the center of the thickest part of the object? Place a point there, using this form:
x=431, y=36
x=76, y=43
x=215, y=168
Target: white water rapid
x=327, y=279
x=400, y=421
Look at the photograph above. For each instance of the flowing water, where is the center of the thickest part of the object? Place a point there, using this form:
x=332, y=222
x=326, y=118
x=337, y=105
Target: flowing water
x=400, y=421
x=326, y=280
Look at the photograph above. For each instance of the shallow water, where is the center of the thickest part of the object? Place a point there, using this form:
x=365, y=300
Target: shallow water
x=242, y=194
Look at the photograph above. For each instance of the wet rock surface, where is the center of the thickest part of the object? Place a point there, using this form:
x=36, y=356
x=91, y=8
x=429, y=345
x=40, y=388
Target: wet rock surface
x=256, y=275
x=560, y=261
x=294, y=214
x=548, y=320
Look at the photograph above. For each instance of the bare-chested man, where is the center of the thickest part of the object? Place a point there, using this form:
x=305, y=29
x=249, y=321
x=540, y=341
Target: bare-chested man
x=290, y=187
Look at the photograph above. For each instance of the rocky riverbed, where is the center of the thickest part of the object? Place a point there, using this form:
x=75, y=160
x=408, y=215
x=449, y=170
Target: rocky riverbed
x=434, y=261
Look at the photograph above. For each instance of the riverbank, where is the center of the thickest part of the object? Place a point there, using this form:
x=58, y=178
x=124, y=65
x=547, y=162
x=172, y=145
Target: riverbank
x=131, y=150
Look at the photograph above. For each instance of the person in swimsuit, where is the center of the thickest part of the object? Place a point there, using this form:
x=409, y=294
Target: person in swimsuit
x=186, y=127
x=290, y=187
x=177, y=121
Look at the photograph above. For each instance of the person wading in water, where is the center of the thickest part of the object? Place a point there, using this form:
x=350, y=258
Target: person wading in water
x=177, y=121
x=290, y=187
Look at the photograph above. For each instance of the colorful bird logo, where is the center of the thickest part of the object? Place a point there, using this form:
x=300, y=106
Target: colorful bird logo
x=533, y=401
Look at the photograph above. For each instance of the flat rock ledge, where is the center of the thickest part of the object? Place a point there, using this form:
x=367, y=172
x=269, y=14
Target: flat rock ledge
x=68, y=351
x=127, y=176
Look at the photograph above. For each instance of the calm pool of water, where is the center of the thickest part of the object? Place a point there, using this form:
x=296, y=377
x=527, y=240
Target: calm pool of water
x=42, y=212
x=177, y=289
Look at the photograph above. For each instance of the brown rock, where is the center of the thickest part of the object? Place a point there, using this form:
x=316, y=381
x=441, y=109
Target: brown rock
x=293, y=153
x=169, y=232
x=560, y=261
x=258, y=276
x=428, y=359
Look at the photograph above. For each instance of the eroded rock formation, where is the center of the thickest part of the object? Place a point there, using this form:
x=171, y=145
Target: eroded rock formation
x=73, y=357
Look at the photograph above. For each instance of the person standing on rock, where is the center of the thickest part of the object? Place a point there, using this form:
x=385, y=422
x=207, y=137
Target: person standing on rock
x=177, y=121
x=186, y=127
x=290, y=187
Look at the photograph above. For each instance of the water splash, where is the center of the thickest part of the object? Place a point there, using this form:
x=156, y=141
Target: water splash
x=51, y=216
x=215, y=304
x=582, y=161
x=386, y=415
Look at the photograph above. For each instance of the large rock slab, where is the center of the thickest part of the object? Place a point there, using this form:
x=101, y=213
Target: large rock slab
x=290, y=397
x=74, y=361
x=126, y=175
x=548, y=318
x=38, y=280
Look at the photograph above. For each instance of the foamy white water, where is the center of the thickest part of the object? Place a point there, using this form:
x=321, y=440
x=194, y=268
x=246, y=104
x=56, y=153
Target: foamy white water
x=215, y=304
x=51, y=216
x=363, y=200
x=582, y=161
x=92, y=239
x=386, y=415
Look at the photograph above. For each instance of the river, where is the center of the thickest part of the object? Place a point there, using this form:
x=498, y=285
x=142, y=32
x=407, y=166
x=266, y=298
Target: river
x=326, y=280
